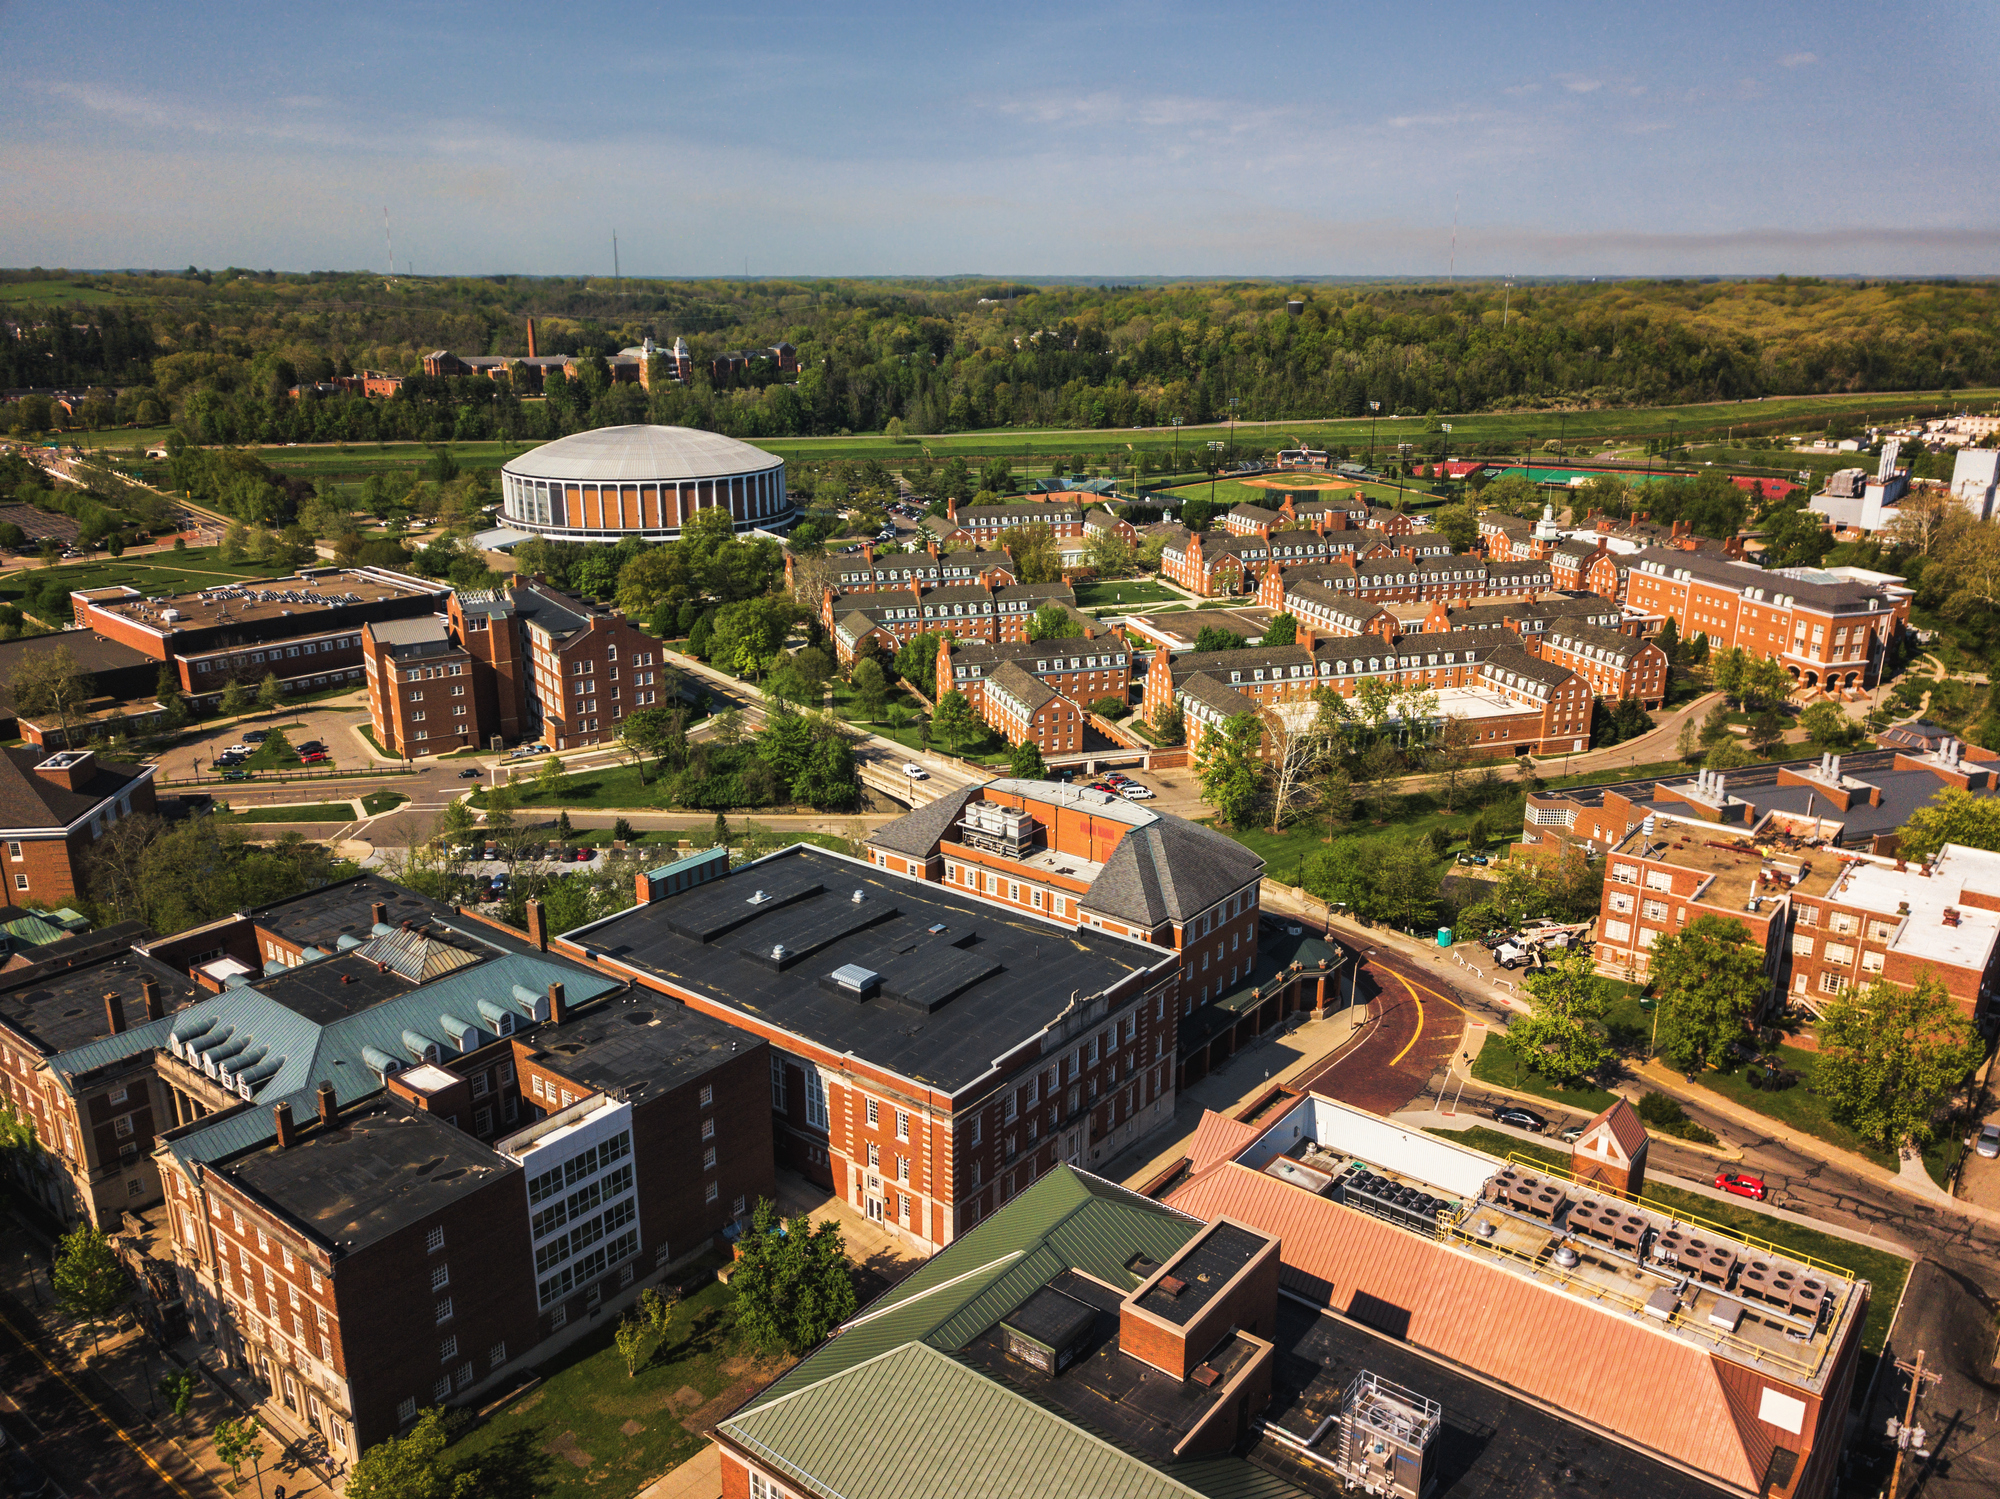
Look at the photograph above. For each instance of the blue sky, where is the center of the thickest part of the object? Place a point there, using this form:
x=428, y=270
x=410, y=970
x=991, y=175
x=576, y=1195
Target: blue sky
x=1027, y=139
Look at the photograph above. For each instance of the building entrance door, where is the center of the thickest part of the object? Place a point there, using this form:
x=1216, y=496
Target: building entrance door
x=875, y=1209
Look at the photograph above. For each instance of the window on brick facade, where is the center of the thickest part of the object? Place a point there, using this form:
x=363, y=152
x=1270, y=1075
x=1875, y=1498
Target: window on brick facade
x=440, y=1275
x=406, y=1411
x=448, y=1349
x=708, y=1159
x=434, y=1241
x=712, y=1194
x=444, y=1311
x=874, y=1113
x=708, y=1128
x=441, y=1391
x=902, y=1124
x=707, y=1095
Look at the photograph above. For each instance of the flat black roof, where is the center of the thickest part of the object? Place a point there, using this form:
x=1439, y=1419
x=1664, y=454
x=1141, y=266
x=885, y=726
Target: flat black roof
x=383, y=1167
x=59, y=1002
x=1051, y=1318
x=1203, y=1268
x=319, y=917
x=958, y=984
x=333, y=988
x=1491, y=1445
x=640, y=1043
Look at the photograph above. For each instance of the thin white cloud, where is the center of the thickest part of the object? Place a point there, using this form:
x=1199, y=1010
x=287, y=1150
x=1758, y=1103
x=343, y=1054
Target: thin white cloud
x=1798, y=59
x=1522, y=88
x=1576, y=84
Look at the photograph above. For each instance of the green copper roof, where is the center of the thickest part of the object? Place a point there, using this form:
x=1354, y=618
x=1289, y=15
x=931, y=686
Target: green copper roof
x=914, y=1421
x=1066, y=1221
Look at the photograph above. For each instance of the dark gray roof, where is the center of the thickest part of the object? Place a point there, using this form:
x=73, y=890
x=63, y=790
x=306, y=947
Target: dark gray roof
x=1029, y=690
x=1513, y=658
x=31, y=800
x=917, y=833
x=1712, y=567
x=1214, y=693
x=425, y=635
x=638, y=1045
x=1039, y=509
x=1170, y=870
x=1595, y=637
x=962, y=981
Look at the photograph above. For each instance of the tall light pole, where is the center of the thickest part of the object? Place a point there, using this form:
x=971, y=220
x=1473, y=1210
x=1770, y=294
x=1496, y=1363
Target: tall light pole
x=1177, y=447
x=1374, y=408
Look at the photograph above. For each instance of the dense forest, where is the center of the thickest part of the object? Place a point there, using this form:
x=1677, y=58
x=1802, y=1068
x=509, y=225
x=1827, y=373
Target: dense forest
x=216, y=353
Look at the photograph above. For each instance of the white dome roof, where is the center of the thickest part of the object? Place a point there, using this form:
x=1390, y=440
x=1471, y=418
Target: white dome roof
x=632, y=455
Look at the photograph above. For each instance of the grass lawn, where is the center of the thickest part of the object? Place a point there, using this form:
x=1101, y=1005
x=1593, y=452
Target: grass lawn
x=378, y=802
x=1884, y=1271
x=173, y=572
x=1126, y=591
x=1797, y=1106
x=316, y=812
x=590, y=1431
x=1497, y=1063
x=989, y=748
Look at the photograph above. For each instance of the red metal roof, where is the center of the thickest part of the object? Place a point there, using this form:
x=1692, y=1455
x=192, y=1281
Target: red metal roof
x=1625, y=1127
x=1608, y=1369
x=1217, y=1138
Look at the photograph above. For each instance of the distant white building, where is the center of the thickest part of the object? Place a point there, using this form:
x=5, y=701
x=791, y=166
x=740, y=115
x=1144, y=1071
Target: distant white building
x=1975, y=474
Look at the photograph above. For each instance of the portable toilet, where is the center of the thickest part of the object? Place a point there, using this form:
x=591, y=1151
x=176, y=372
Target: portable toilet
x=1444, y=936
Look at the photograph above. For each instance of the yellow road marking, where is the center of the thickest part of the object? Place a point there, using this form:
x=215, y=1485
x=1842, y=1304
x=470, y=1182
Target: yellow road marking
x=165, y=1477
x=1420, y=1012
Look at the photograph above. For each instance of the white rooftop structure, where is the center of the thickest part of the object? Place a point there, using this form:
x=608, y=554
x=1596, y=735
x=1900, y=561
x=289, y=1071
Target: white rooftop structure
x=1937, y=927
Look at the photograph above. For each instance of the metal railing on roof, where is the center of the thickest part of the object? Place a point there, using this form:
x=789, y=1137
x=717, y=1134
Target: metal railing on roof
x=1602, y=1189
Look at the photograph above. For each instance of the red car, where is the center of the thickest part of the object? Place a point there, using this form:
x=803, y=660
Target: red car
x=1751, y=1187
x=316, y=757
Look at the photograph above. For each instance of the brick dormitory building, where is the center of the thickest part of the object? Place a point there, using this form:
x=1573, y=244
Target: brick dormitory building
x=378, y=1153
x=513, y=663
x=1803, y=855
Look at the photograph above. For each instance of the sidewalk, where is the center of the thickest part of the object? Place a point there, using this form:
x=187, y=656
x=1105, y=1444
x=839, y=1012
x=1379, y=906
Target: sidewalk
x=121, y=1377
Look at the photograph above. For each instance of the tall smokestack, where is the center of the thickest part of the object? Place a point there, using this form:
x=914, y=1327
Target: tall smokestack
x=149, y=990
x=531, y=338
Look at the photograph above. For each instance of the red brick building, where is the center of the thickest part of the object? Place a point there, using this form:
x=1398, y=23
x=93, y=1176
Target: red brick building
x=992, y=609
x=934, y=1051
x=991, y=525
x=1025, y=709
x=53, y=807
x=1083, y=668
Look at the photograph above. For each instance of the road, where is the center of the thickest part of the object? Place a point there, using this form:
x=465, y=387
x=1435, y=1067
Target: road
x=68, y=1429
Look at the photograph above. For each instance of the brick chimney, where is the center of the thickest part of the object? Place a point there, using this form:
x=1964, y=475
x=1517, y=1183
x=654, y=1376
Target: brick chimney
x=951, y=509
x=1305, y=636
x=329, y=1108
x=69, y=769
x=379, y=913
x=149, y=990
x=114, y=1013
x=288, y=1133
x=531, y=338
x=538, y=925
x=558, y=1011
x=868, y=552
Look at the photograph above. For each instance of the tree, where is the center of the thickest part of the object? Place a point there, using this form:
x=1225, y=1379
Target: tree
x=1891, y=1058
x=747, y=636
x=1561, y=1038
x=177, y=1388
x=793, y=1287
x=1037, y=557
x=1227, y=765
x=1709, y=977
x=241, y=1441
x=1952, y=816
x=1457, y=744
x=1457, y=525
x=1688, y=744
x=411, y=1466
x=916, y=662
x=1211, y=638
x=270, y=693
x=90, y=1283
x=630, y=1336
x=1025, y=761
x=550, y=781
x=1669, y=640
x=719, y=835
x=1767, y=731
x=1921, y=517
x=1054, y=622
x=51, y=685
x=871, y=686
x=1728, y=755
x=1108, y=553
x=1968, y=553
x=954, y=722
x=1284, y=630
x=1169, y=722
x=1715, y=727
x=657, y=1307
x=1829, y=728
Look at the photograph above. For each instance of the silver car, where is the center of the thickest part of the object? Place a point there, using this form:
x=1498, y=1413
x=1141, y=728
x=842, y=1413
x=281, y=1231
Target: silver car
x=1988, y=1142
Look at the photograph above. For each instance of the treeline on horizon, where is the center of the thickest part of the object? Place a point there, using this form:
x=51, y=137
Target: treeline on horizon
x=216, y=353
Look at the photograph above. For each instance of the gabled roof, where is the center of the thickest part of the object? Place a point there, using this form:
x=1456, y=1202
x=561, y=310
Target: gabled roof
x=1620, y=647
x=1512, y=658
x=1622, y=1120
x=1027, y=689
x=29, y=800
x=1214, y=693
x=1217, y=1138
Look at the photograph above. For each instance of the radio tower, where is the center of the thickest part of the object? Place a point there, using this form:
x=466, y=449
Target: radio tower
x=614, y=260
x=389, y=240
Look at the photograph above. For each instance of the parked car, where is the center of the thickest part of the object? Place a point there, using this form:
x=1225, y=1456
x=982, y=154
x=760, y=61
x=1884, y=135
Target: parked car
x=1751, y=1187
x=237, y=749
x=1472, y=858
x=1135, y=792
x=256, y=736
x=316, y=757
x=1521, y=1118
x=585, y=853
x=233, y=774
x=492, y=849
x=468, y=775
x=499, y=879
x=1574, y=1133
x=310, y=745
x=916, y=772
x=1987, y=1142
x=228, y=758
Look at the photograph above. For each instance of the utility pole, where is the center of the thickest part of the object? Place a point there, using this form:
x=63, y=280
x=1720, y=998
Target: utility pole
x=1907, y=1436
x=1374, y=409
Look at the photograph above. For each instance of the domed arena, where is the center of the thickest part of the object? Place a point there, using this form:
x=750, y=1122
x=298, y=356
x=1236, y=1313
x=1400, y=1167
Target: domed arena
x=641, y=481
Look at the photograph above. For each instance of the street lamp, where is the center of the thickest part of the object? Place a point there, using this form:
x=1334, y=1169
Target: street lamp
x=1177, y=447
x=1374, y=407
